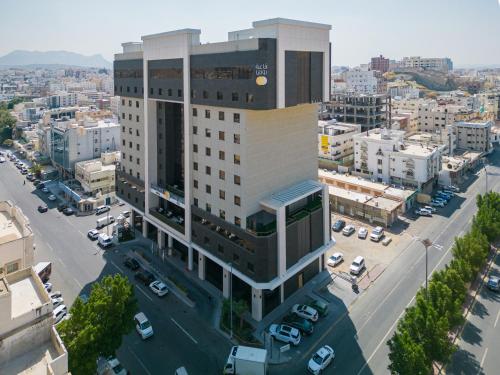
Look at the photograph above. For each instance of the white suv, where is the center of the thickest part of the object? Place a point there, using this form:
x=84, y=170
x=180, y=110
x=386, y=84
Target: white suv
x=306, y=312
x=377, y=234
x=285, y=333
x=143, y=326
x=357, y=265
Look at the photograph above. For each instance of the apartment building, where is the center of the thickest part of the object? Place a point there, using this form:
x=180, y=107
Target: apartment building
x=473, y=136
x=30, y=342
x=62, y=99
x=361, y=81
x=384, y=156
x=16, y=239
x=434, y=63
x=369, y=111
x=231, y=163
x=335, y=141
x=379, y=63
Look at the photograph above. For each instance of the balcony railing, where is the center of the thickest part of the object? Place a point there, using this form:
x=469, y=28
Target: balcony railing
x=167, y=217
x=169, y=193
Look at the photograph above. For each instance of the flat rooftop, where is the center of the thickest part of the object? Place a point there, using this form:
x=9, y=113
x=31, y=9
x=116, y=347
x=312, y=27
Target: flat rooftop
x=33, y=362
x=10, y=229
x=25, y=296
x=415, y=149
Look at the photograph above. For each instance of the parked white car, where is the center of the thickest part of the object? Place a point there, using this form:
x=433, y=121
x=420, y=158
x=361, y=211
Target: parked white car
x=335, y=259
x=321, y=359
x=143, y=326
x=430, y=208
x=306, y=312
x=348, y=230
x=48, y=287
x=59, y=313
x=377, y=234
x=93, y=234
x=51, y=197
x=158, y=288
x=357, y=265
x=362, y=233
x=57, y=301
x=285, y=333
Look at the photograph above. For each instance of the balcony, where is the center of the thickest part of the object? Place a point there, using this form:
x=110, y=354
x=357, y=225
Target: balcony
x=304, y=211
x=169, y=193
x=169, y=218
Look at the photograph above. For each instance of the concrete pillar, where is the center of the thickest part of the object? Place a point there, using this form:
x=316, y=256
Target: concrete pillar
x=201, y=266
x=132, y=218
x=161, y=239
x=327, y=234
x=226, y=283
x=170, y=244
x=190, y=258
x=282, y=293
x=144, y=228
x=257, y=304
x=281, y=228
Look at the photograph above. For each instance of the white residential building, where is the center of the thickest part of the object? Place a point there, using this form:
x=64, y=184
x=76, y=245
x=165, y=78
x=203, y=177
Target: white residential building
x=473, y=136
x=62, y=99
x=335, y=140
x=361, y=81
x=434, y=63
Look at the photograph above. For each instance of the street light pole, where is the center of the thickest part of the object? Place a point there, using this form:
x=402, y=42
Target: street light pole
x=427, y=243
x=231, y=298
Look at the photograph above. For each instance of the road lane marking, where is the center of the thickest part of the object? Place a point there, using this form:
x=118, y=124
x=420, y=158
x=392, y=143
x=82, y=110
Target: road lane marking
x=143, y=292
x=482, y=359
x=139, y=360
x=50, y=247
x=60, y=260
x=78, y=283
x=496, y=320
x=119, y=269
x=183, y=330
x=79, y=231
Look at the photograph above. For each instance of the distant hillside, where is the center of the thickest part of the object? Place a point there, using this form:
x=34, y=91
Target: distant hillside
x=22, y=58
x=432, y=79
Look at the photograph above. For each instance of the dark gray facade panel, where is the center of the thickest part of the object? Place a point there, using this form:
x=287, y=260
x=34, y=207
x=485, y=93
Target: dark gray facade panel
x=263, y=255
x=128, y=78
x=317, y=229
x=306, y=274
x=317, y=77
x=236, y=72
x=126, y=192
x=303, y=77
x=165, y=79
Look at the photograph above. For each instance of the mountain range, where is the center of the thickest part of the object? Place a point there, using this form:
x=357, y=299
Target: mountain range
x=61, y=58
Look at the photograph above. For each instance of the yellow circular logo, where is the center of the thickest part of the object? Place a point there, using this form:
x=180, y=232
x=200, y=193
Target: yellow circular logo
x=261, y=80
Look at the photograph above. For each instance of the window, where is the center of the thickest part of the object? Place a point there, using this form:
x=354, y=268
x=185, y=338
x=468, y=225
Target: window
x=222, y=155
x=130, y=158
x=208, y=207
x=151, y=91
x=222, y=175
x=195, y=112
x=137, y=132
x=379, y=171
x=179, y=93
x=236, y=258
x=136, y=104
x=169, y=92
x=249, y=98
x=123, y=127
x=205, y=94
x=129, y=130
x=123, y=142
x=195, y=202
x=208, y=170
x=12, y=267
x=222, y=194
x=138, y=175
x=208, y=189
x=130, y=103
x=237, y=180
x=237, y=221
x=195, y=130
x=138, y=161
x=221, y=135
x=130, y=145
x=123, y=116
x=137, y=118
x=379, y=161
x=222, y=214
x=208, y=133
x=195, y=148
x=206, y=240
x=219, y=95
x=195, y=166
x=123, y=156
x=220, y=248
x=193, y=93
x=234, y=97
x=195, y=184
x=130, y=172
x=208, y=152
x=160, y=92
x=236, y=117
x=207, y=113
x=250, y=267
x=128, y=88
x=130, y=117
x=236, y=139
x=123, y=101
x=221, y=116
x=237, y=200
x=138, y=147
x=236, y=159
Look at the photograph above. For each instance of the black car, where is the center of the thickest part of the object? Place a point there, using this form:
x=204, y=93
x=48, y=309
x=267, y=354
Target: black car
x=338, y=225
x=36, y=182
x=302, y=324
x=145, y=276
x=68, y=211
x=61, y=207
x=43, y=208
x=132, y=264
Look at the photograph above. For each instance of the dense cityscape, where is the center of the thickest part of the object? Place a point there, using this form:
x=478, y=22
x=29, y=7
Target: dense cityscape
x=248, y=206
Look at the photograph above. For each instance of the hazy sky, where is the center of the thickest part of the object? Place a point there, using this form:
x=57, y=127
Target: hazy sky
x=468, y=31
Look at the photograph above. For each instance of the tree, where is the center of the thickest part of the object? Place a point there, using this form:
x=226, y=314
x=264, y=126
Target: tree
x=36, y=169
x=96, y=328
x=406, y=356
x=441, y=298
x=240, y=308
x=487, y=219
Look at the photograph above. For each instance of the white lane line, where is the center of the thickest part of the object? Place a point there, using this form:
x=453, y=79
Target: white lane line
x=50, y=247
x=79, y=231
x=119, y=269
x=183, y=330
x=78, y=283
x=482, y=359
x=139, y=360
x=143, y=292
x=60, y=260
x=496, y=320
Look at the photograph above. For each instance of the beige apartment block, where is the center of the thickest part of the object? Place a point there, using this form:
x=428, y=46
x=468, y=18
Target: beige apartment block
x=16, y=239
x=132, y=136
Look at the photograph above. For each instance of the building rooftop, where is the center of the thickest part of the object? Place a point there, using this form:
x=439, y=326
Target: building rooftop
x=292, y=194
x=33, y=362
x=25, y=296
x=415, y=149
x=10, y=229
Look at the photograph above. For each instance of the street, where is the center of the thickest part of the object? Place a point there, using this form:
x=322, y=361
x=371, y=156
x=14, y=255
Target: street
x=181, y=337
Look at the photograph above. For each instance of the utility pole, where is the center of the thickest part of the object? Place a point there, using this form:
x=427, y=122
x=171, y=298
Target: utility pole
x=486, y=174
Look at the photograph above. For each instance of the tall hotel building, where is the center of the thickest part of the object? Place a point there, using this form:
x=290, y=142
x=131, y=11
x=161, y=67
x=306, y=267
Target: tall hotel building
x=220, y=153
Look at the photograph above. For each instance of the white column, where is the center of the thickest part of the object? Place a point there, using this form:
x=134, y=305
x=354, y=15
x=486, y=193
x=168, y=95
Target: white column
x=225, y=283
x=190, y=258
x=161, y=239
x=281, y=227
x=326, y=215
x=201, y=266
x=144, y=227
x=170, y=244
x=257, y=304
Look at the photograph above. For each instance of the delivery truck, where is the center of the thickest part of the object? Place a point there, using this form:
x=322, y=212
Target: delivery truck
x=245, y=360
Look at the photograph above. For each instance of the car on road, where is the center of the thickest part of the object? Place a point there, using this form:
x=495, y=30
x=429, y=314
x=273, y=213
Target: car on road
x=93, y=234
x=2, y=159
x=132, y=264
x=423, y=212
x=110, y=366
x=102, y=209
x=143, y=326
x=348, y=230
x=24, y=171
x=68, y=211
x=338, y=225
x=104, y=240
x=43, y=208
x=159, y=288
x=52, y=197
x=57, y=302
x=45, y=190
x=377, y=234
x=285, y=333
x=303, y=325
x=357, y=265
x=145, y=277
x=320, y=306
x=306, y=312
x=59, y=313
x=493, y=283
x=48, y=287
x=335, y=259
x=321, y=359
x=362, y=232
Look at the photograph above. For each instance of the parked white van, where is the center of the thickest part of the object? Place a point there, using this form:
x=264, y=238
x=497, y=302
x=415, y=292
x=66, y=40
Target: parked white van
x=104, y=240
x=103, y=221
x=102, y=209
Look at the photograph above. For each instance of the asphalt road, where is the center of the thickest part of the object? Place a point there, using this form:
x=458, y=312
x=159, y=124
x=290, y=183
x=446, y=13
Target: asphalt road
x=181, y=337
x=359, y=337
